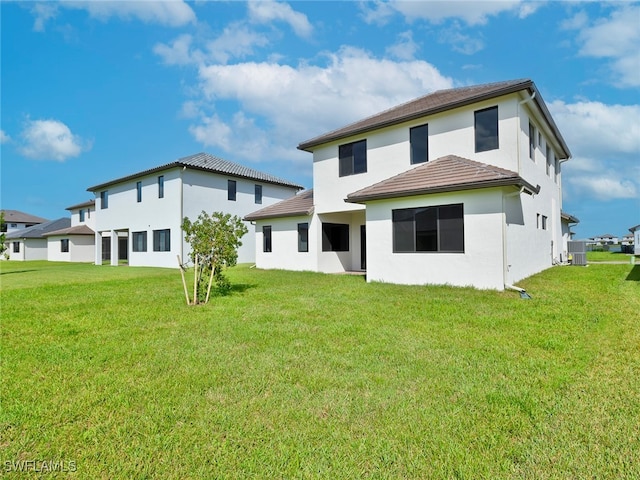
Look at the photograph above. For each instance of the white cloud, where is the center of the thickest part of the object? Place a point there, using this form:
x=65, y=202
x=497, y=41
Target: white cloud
x=43, y=11
x=171, y=13
x=604, y=186
x=459, y=41
x=266, y=11
x=616, y=38
x=470, y=12
x=599, y=129
x=284, y=105
x=236, y=41
x=605, y=142
x=4, y=138
x=178, y=52
x=405, y=48
x=50, y=140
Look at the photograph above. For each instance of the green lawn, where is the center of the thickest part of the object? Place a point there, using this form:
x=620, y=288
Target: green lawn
x=599, y=256
x=302, y=375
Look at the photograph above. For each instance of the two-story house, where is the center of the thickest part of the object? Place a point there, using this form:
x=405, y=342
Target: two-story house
x=461, y=186
x=77, y=242
x=17, y=220
x=138, y=217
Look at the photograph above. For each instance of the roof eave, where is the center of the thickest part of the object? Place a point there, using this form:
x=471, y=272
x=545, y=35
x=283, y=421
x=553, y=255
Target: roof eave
x=320, y=140
x=518, y=182
x=301, y=213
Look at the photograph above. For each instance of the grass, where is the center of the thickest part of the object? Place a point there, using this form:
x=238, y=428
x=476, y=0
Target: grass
x=303, y=375
x=602, y=256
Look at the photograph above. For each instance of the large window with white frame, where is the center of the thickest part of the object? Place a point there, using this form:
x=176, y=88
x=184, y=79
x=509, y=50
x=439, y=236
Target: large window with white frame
x=429, y=229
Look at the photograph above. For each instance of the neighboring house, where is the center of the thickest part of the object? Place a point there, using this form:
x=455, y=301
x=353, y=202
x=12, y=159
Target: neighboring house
x=77, y=242
x=627, y=239
x=460, y=187
x=636, y=239
x=138, y=217
x=31, y=243
x=16, y=220
x=605, y=239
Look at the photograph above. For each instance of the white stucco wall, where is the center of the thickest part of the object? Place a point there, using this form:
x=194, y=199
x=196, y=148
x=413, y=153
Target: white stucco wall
x=187, y=192
x=636, y=242
x=481, y=263
x=208, y=192
x=81, y=248
x=89, y=217
x=284, y=244
x=30, y=249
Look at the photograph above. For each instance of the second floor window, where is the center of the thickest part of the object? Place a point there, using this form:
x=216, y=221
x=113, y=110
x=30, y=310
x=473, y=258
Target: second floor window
x=161, y=186
x=139, y=191
x=104, y=199
x=231, y=190
x=258, y=194
x=486, y=129
x=352, y=158
x=532, y=141
x=419, y=139
x=81, y=215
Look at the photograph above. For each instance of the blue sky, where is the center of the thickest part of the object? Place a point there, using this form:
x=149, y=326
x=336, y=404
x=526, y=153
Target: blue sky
x=91, y=91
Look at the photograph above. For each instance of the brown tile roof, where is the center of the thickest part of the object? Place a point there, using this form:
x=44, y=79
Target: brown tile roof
x=89, y=203
x=16, y=216
x=77, y=230
x=436, y=102
x=301, y=204
x=568, y=217
x=445, y=174
x=206, y=163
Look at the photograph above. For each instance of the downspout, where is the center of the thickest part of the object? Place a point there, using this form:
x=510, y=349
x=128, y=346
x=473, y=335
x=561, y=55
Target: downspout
x=505, y=266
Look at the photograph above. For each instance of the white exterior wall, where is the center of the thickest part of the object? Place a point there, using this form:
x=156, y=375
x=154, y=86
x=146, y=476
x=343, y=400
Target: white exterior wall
x=284, y=245
x=81, y=248
x=125, y=214
x=208, y=192
x=388, y=151
x=89, y=217
x=636, y=242
x=30, y=249
x=481, y=263
x=187, y=192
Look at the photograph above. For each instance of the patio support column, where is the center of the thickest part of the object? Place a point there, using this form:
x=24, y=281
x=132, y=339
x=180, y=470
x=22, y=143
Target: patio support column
x=98, y=249
x=114, y=248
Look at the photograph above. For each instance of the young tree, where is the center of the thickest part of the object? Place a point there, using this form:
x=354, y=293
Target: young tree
x=214, y=241
x=3, y=247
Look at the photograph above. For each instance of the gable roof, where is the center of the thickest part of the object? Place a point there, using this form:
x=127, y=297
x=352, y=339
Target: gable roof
x=301, y=204
x=39, y=231
x=16, y=216
x=445, y=174
x=77, y=230
x=439, y=101
x=89, y=203
x=207, y=163
x=633, y=229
